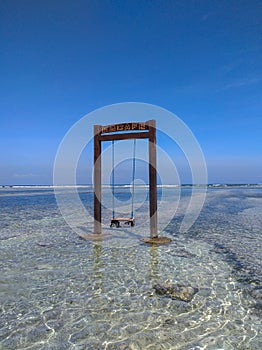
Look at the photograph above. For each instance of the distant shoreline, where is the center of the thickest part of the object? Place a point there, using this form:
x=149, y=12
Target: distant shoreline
x=215, y=185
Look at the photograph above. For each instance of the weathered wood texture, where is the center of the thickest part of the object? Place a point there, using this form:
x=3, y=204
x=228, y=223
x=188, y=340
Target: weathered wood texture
x=152, y=178
x=97, y=179
x=124, y=136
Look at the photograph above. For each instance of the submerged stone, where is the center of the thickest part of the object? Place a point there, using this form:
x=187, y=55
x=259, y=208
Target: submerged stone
x=176, y=291
x=44, y=244
x=156, y=240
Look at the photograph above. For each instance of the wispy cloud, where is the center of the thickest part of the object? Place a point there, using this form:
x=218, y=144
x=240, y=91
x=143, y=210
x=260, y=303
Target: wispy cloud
x=16, y=175
x=240, y=83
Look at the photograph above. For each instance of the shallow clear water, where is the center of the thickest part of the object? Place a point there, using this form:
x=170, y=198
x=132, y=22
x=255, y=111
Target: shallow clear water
x=62, y=292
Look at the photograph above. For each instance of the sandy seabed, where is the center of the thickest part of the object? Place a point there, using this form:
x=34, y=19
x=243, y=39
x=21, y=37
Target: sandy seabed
x=59, y=291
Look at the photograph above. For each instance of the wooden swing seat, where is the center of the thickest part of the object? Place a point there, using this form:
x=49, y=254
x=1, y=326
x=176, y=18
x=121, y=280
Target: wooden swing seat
x=128, y=221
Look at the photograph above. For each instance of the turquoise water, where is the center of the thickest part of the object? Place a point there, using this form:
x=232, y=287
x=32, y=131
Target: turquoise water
x=62, y=292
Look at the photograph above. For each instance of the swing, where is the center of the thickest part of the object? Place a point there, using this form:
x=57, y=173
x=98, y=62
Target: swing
x=130, y=221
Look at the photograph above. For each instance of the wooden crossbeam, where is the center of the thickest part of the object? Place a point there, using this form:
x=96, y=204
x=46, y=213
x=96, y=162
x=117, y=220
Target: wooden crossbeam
x=124, y=136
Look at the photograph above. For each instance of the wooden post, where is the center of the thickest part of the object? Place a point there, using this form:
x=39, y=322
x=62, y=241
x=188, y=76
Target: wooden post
x=97, y=179
x=152, y=179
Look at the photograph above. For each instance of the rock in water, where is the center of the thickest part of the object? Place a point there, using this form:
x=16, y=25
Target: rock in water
x=176, y=291
x=44, y=244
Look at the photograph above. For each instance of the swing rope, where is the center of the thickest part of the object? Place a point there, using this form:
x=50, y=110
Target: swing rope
x=113, y=179
x=133, y=179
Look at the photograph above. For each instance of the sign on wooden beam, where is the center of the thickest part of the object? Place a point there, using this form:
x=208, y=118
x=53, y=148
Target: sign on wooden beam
x=124, y=127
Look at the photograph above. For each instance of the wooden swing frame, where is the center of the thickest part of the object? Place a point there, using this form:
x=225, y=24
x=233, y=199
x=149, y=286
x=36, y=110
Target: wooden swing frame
x=126, y=131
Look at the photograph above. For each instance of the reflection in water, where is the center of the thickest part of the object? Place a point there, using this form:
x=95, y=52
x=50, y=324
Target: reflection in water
x=60, y=292
x=154, y=272
x=97, y=272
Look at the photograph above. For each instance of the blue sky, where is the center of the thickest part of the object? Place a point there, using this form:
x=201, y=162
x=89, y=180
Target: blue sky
x=202, y=60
